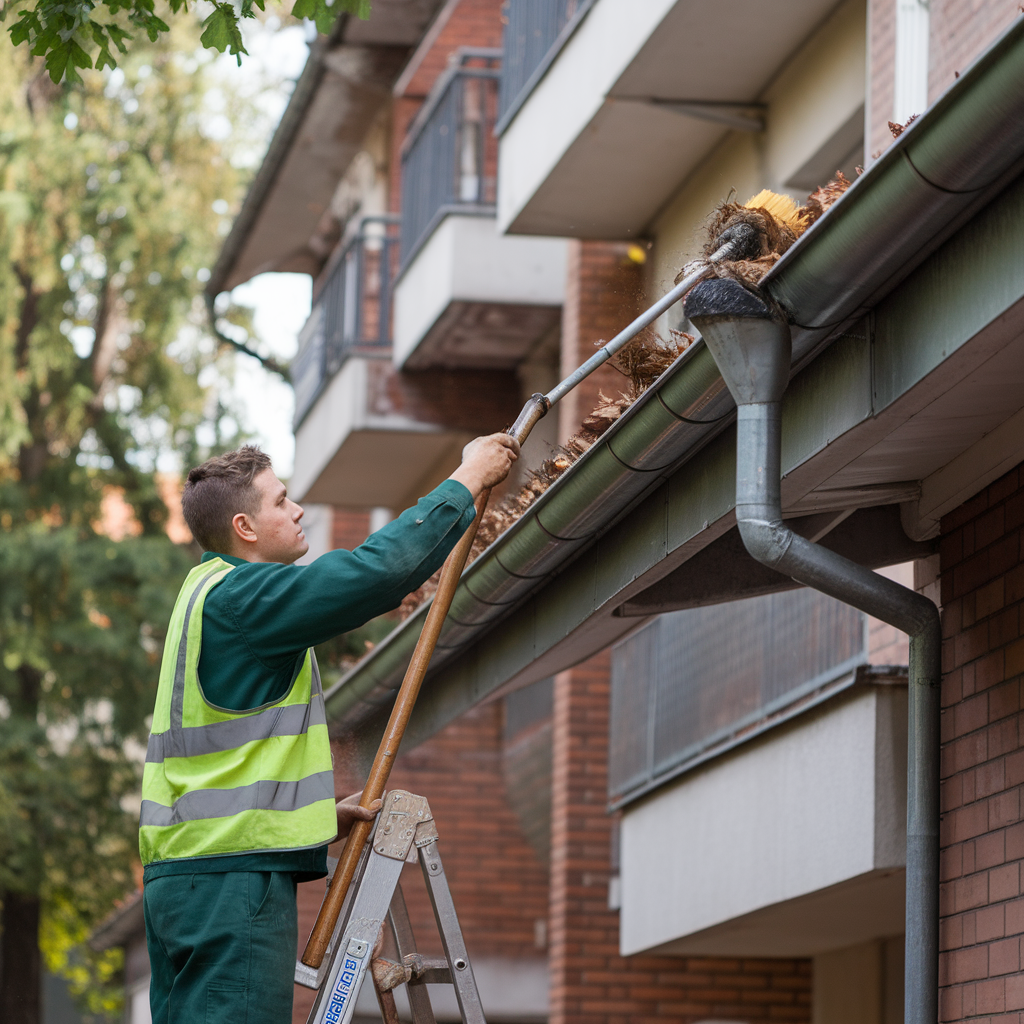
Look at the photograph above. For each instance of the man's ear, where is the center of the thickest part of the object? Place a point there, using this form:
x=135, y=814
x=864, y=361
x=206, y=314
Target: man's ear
x=243, y=528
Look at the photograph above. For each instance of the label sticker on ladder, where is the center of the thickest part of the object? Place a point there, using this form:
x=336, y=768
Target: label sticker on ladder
x=342, y=991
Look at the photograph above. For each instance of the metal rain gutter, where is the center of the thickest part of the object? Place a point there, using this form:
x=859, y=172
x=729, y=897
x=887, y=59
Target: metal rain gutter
x=685, y=408
x=947, y=165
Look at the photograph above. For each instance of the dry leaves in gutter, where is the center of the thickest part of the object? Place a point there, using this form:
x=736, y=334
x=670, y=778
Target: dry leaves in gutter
x=641, y=362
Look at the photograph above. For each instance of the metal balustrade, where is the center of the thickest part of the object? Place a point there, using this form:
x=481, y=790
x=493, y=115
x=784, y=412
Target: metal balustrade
x=691, y=680
x=351, y=313
x=450, y=155
x=535, y=31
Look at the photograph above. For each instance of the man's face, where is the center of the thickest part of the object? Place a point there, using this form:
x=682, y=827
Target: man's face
x=274, y=533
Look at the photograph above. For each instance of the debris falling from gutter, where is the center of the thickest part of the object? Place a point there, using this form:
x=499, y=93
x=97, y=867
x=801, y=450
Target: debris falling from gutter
x=641, y=363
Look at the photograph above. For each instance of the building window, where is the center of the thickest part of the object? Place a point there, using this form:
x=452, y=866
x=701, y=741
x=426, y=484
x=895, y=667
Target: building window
x=692, y=680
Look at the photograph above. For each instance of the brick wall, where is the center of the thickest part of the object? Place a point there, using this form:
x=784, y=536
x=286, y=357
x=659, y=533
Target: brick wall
x=960, y=30
x=590, y=982
x=604, y=291
x=349, y=528
x=476, y=23
x=881, y=75
x=886, y=644
x=478, y=401
x=499, y=885
x=982, y=580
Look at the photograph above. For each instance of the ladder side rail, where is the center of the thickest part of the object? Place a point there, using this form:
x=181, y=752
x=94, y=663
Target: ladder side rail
x=451, y=935
x=336, y=1000
x=310, y=977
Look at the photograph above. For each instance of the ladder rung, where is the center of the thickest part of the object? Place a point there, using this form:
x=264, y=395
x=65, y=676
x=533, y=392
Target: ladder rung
x=432, y=972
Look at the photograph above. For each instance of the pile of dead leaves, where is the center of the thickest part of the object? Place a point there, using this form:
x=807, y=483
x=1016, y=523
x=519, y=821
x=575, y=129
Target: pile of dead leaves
x=898, y=129
x=641, y=363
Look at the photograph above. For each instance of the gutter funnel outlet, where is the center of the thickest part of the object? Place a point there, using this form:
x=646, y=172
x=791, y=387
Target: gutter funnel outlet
x=751, y=344
x=748, y=338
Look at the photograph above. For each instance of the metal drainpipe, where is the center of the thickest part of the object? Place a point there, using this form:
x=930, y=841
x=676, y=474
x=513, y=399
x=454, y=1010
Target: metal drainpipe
x=751, y=344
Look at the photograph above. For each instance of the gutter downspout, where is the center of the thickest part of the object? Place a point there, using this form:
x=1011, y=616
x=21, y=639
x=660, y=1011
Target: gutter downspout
x=751, y=343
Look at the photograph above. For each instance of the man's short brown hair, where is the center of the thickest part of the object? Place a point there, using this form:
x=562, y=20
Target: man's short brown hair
x=218, y=490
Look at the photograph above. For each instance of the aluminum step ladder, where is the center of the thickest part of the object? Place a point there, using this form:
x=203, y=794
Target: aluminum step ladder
x=405, y=833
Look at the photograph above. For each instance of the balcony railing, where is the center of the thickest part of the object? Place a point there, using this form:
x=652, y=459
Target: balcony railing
x=534, y=33
x=351, y=313
x=450, y=155
x=694, y=680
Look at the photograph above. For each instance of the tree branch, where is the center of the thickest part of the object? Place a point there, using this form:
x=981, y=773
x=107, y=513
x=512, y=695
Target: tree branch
x=27, y=319
x=267, y=362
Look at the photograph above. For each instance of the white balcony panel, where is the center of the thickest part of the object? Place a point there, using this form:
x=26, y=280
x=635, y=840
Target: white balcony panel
x=346, y=454
x=791, y=845
x=588, y=155
x=474, y=298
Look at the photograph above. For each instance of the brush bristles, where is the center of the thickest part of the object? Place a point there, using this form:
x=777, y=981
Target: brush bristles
x=782, y=208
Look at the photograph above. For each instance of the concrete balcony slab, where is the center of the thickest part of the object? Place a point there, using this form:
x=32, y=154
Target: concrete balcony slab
x=471, y=298
x=633, y=102
x=791, y=845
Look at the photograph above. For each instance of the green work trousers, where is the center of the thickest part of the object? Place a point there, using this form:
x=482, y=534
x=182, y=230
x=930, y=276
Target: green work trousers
x=221, y=947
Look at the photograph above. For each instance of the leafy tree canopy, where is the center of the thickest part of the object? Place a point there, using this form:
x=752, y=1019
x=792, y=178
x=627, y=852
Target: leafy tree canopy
x=76, y=34
x=113, y=197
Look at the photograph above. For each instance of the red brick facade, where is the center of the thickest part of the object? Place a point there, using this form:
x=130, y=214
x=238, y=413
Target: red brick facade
x=960, y=30
x=604, y=291
x=590, y=982
x=350, y=528
x=983, y=756
x=881, y=75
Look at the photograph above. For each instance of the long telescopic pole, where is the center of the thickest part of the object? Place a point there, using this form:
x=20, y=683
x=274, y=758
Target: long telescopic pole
x=451, y=571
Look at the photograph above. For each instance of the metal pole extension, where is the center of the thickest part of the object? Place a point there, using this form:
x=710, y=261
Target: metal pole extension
x=538, y=405
x=451, y=571
x=645, y=319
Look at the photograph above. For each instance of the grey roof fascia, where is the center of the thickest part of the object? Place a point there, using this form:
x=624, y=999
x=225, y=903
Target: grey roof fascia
x=941, y=171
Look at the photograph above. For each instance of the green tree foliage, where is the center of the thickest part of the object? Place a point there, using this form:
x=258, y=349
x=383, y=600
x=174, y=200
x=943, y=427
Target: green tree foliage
x=108, y=195
x=71, y=35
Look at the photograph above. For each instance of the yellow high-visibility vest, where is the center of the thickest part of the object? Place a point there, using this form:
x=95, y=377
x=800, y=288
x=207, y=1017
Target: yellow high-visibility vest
x=220, y=782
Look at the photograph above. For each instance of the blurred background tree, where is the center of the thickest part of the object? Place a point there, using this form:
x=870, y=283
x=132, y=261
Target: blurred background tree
x=87, y=34
x=109, y=195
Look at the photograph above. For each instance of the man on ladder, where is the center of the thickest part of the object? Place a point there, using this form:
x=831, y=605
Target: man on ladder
x=238, y=791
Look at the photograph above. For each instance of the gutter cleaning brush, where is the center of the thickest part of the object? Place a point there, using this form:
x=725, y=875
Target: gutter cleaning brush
x=762, y=229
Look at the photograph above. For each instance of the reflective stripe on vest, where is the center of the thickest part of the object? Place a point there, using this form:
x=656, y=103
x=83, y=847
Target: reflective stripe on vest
x=221, y=782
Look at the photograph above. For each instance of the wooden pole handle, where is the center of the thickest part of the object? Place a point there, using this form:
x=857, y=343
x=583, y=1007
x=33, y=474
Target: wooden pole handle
x=451, y=571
